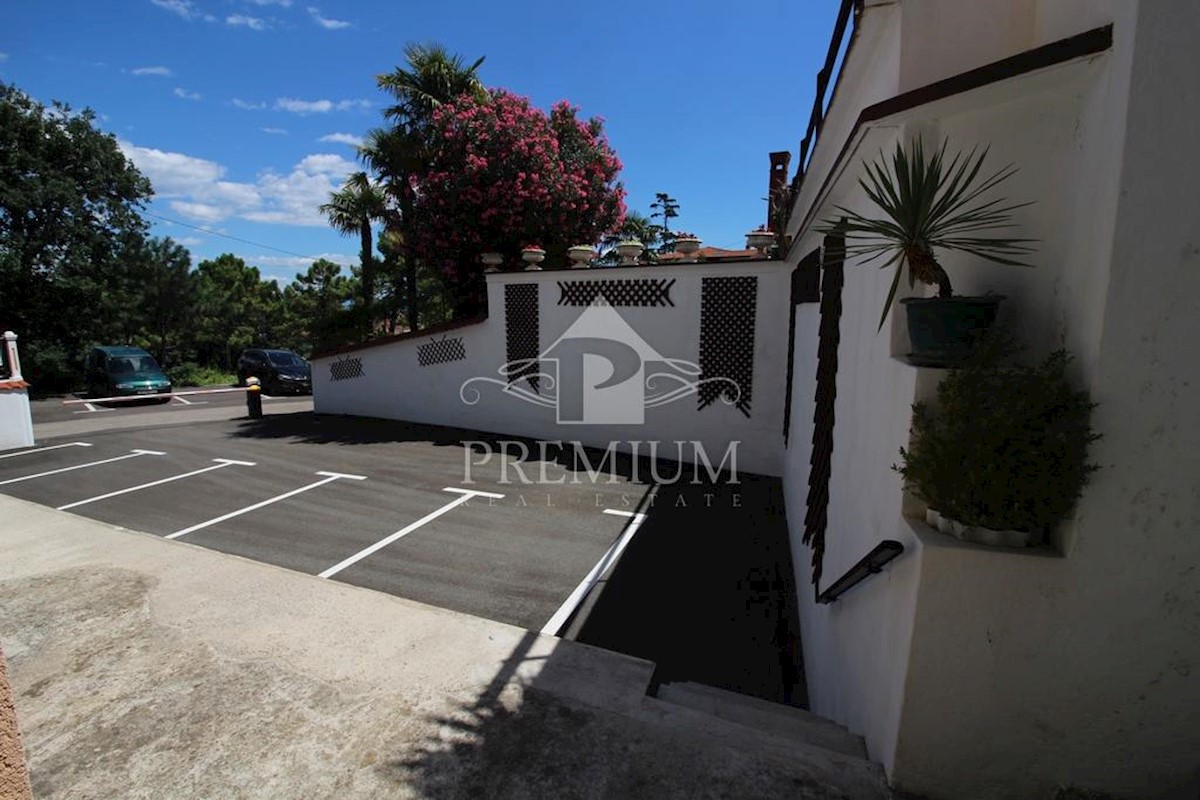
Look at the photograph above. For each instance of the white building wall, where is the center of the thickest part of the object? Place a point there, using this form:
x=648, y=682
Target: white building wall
x=981, y=673
x=394, y=386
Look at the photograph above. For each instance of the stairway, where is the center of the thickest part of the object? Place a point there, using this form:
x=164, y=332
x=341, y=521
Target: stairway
x=828, y=754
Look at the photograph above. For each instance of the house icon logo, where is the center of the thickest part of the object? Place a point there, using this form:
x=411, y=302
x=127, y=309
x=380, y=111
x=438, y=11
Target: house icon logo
x=600, y=371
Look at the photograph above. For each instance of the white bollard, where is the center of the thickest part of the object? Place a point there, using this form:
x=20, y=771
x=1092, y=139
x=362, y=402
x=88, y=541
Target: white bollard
x=10, y=356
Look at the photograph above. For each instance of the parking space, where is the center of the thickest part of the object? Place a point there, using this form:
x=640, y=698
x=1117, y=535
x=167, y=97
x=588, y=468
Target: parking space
x=384, y=505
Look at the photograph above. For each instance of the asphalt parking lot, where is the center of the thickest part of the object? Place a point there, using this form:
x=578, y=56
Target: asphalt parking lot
x=54, y=409
x=373, y=503
x=695, y=577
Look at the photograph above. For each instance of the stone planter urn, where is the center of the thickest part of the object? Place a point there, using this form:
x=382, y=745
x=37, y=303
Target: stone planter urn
x=580, y=255
x=688, y=247
x=533, y=256
x=630, y=252
x=491, y=261
x=760, y=240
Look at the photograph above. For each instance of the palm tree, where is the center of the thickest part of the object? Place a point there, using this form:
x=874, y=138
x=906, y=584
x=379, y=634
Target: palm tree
x=637, y=227
x=353, y=209
x=431, y=77
x=434, y=76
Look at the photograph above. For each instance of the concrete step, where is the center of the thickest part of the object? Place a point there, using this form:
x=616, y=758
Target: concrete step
x=786, y=722
x=853, y=776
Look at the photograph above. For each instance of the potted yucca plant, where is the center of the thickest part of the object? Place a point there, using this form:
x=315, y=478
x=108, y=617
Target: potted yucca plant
x=931, y=203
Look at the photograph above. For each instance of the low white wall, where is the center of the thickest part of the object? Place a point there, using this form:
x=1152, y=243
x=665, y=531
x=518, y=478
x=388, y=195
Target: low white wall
x=16, y=426
x=394, y=386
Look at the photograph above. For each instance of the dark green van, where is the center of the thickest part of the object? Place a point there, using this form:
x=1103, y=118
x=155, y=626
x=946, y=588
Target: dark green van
x=121, y=371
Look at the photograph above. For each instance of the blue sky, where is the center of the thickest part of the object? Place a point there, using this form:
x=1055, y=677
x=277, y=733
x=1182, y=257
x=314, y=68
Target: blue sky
x=243, y=113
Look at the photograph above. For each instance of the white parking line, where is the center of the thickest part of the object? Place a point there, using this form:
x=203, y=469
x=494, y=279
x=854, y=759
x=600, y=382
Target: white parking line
x=130, y=454
x=552, y=627
x=91, y=409
x=467, y=494
x=183, y=400
x=221, y=464
x=44, y=449
x=329, y=477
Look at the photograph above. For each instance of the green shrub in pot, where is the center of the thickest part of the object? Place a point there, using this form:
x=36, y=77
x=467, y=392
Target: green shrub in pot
x=1005, y=447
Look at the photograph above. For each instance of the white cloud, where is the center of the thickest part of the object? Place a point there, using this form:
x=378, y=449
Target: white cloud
x=342, y=138
x=162, y=71
x=205, y=212
x=283, y=3
x=3, y=56
x=274, y=131
x=239, y=103
x=318, y=106
x=253, y=23
x=196, y=188
x=326, y=22
x=298, y=262
x=183, y=8
x=189, y=241
x=185, y=94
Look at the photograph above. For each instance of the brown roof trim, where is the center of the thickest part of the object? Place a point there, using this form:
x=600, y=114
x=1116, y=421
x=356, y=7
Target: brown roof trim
x=1088, y=43
x=432, y=330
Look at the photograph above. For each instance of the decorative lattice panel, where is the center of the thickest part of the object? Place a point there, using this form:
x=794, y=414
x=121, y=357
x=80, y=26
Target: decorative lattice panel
x=629, y=292
x=521, y=330
x=829, y=336
x=727, y=312
x=439, y=351
x=345, y=369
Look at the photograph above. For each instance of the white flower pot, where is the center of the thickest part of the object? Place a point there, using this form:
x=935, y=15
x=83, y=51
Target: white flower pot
x=760, y=240
x=580, y=255
x=491, y=261
x=981, y=535
x=688, y=247
x=630, y=252
x=533, y=258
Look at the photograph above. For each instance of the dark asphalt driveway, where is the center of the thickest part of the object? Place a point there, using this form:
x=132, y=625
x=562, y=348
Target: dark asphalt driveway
x=695, y=577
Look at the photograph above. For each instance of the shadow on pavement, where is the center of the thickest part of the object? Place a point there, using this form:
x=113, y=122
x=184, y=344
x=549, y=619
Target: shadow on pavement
x=516, y=740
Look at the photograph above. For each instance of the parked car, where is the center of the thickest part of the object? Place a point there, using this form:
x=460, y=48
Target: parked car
x=279, y=371
x=112, y=371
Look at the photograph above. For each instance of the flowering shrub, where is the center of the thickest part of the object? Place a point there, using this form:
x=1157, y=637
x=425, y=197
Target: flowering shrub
x=532, y=247
x=504, y=173
x=681, y=235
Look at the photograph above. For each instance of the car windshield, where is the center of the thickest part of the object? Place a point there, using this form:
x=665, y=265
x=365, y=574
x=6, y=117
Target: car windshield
x=282, y=358
x=127, y=365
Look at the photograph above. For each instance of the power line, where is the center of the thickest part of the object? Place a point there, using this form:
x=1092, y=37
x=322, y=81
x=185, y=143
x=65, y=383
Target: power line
x=227, y=236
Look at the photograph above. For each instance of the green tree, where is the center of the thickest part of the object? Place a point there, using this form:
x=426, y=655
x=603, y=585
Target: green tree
x=69, y=202
x=236, y=309
x=665, y=208
x=316, y=303
x=353, y=210
x=166, y=291
x=635, y=227
x=430, y=77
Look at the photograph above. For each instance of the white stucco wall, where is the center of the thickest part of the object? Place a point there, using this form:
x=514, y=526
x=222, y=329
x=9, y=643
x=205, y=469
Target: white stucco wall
x=395, y=387
x=16, y=427
x=981, y=673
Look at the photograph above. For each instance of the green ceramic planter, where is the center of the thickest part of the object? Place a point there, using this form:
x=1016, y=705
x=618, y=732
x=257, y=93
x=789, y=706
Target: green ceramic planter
x=945, y=330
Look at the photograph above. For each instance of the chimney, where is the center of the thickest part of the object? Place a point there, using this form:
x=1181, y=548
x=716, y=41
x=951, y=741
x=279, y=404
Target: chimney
x=778, y=183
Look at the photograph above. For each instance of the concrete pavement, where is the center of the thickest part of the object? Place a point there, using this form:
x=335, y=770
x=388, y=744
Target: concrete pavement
x=146, y=668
